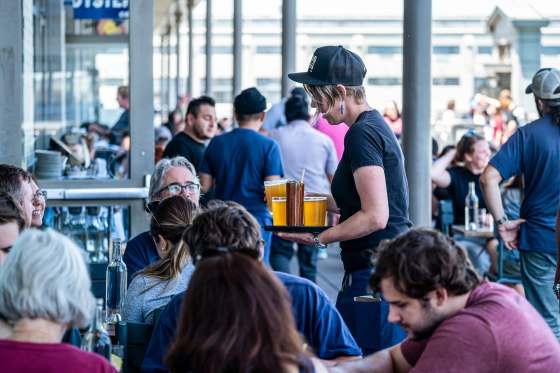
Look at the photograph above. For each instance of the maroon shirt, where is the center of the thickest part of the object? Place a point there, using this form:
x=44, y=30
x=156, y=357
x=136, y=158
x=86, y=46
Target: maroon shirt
x=25, y=357
x=497, y=331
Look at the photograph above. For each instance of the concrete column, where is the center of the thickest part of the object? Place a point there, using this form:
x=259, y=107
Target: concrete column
x=208, y=80
x=170, y=101
x=191, y=49
x=289, y=24
x=162, y=89
x=417, y=49
x=178, y=17
x=237, y=46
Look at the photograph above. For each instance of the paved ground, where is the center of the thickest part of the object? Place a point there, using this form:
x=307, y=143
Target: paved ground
x=329, y=271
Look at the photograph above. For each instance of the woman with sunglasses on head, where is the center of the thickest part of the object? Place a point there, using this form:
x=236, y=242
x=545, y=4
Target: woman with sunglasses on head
x=154, y=286
x=454, y=171
x=236, y=315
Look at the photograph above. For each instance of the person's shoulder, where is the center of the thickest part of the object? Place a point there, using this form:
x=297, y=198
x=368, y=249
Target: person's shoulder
x=299, y=284
x=138, y=242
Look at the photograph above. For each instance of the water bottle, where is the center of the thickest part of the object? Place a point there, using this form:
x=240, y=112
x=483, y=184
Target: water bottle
x=95, y=243
x=471, y=209
x=116, y=285
x=96, y=338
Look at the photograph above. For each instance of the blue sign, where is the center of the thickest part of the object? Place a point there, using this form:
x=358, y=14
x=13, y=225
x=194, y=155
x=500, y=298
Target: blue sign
x=100, y=9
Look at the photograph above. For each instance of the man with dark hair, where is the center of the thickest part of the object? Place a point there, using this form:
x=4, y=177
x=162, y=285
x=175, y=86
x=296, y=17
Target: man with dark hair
x=227, y=224
x=319, y=160
x=275, y=116
x=201, y=125
x=12, y=222
x=240, y=161
x=456, y=322
x=16, y=181
x=533, y=150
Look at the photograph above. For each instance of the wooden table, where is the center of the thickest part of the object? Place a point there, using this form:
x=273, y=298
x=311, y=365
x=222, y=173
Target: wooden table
x=486, y=232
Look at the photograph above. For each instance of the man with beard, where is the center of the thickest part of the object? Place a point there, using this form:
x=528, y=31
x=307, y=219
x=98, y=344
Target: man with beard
x=456, y=322
x=201, y=125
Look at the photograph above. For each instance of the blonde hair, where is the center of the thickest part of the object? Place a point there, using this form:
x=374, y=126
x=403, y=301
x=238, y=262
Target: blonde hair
x=329, y=94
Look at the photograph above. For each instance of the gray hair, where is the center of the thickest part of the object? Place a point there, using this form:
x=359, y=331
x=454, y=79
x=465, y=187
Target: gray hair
x=45, y=276
x=161, y=168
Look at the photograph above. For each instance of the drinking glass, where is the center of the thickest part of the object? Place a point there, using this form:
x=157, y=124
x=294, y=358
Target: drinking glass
x=274, y=188
x=315, y=211
x=279, y=210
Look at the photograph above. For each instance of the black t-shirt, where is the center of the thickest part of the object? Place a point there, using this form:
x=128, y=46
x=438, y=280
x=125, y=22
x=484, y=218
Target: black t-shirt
x=370, y=142
x=183, y=145
x=458, y=190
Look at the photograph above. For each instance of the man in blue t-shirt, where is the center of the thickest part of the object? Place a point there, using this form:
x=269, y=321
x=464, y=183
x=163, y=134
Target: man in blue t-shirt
x=533, y=150
x=170, y=177
x=240, y=161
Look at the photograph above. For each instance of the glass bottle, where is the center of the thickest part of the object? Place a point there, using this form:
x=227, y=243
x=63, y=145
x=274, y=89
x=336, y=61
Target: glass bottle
x=96, y=338
x=116, y=285
x=471, y=209
x=77, y=227
x=95, y=244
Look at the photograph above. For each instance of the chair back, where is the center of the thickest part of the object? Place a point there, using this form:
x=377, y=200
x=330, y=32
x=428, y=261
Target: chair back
x=98, y=273
x=135, y=338
x=445, y=218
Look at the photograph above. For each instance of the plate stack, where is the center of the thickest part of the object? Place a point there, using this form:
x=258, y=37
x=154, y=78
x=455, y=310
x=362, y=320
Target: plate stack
x=49, y=164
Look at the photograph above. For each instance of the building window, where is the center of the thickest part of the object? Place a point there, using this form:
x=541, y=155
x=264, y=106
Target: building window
x=222, y=88
x=384, y=81
x=483, y=49
x=270, y=88
x=551, y=50
x=384, y=49
x=446, y=49
x=445, y=81
x=269, y=49
x=219, y=49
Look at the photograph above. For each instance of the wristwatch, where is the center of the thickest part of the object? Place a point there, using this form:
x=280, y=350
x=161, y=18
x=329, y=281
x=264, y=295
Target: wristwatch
x=502, y=220
x=317, y=243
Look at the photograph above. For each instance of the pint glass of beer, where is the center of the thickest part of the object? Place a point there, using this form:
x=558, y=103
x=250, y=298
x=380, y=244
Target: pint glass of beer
x=315, y=211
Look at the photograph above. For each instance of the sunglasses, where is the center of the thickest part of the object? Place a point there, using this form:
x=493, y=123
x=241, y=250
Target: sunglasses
x=6, y=250
x=152, y=209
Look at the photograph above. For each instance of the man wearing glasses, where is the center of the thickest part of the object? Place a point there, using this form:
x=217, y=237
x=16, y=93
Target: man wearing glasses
x=171, y=177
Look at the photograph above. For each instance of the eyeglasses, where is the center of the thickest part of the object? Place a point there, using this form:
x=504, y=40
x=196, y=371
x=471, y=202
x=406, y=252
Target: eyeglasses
x=41, y=194
x=6, y=250
x=175, y=188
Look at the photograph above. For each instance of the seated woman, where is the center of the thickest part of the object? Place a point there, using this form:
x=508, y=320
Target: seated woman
x=471, y=156
x=154, y=286
x=45, y=287
x=236, y=316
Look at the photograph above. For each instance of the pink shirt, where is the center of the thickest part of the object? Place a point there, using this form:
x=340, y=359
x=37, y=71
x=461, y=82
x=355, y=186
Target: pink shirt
x=335, y=132
x=25, y=357
x=498, y=331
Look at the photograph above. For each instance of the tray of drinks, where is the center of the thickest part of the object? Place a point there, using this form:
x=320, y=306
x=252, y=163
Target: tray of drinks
x=296, y=228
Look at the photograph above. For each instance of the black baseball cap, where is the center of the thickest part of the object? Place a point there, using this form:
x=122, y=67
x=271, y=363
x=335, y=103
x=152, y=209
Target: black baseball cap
x=250, y=101
x=333, y=65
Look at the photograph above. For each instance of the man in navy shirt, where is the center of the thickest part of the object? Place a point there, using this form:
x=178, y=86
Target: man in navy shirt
x=240, y=161
x=230, y=225
x=533, y=150
x=171, y=177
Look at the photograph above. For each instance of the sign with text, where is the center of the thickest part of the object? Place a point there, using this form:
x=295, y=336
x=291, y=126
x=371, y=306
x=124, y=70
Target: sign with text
x=100, y=9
